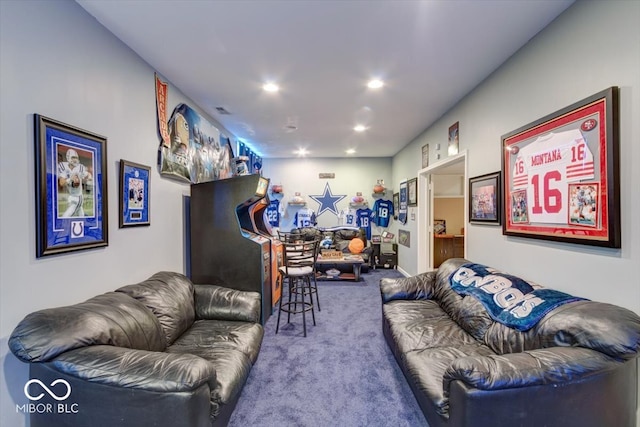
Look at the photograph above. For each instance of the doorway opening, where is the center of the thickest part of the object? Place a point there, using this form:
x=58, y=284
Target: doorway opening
x=444, y=182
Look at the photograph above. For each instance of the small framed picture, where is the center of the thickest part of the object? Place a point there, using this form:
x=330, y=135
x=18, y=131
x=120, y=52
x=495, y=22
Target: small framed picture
x=396, y=204
x=439, y=226
x=425, y=156
x=412, y=192
x=484, y=199
x=404, y=238
x=454, y=139
x=134, y=194
x=71, y=188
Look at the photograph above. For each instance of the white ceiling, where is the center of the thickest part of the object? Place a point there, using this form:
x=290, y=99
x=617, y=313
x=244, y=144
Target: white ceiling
x=322, y=53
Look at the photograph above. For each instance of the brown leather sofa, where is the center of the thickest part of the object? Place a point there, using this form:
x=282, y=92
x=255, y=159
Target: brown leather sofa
x=576, y=367
x=163, y=353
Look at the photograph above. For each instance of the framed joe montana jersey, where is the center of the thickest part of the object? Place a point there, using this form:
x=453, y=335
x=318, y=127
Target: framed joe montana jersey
x=561, y=175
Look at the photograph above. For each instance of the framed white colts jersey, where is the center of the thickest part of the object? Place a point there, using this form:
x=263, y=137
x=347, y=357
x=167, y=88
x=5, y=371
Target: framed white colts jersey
x=561, y=175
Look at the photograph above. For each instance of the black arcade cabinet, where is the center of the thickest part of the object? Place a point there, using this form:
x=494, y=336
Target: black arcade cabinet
x=230, y=245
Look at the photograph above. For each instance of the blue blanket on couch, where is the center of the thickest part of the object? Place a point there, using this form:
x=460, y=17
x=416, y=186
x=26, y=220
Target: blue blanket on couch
x=508, y=299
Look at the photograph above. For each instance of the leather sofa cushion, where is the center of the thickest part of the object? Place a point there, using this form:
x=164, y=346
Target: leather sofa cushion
x=241, y=336
x=427, y=367
x=232, y=370
x=137, y=369
x=417, y=325
x=529, y=368
x=606, y=328
x=307, y=233
x=221, y=303
x=170, y=296
x=231, y=347
x=109, y=319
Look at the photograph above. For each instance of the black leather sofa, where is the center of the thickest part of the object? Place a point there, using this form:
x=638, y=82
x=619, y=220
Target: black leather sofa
x=163, y=352
x=340, y=237
x=576, y=367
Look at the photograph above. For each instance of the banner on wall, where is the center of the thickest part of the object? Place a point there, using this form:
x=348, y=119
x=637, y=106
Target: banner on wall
x=161, y=108
x=254, y=162
x=193, y=150
x=402, y=213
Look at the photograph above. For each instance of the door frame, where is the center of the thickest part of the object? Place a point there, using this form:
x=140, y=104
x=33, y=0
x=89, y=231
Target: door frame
x=425, y=210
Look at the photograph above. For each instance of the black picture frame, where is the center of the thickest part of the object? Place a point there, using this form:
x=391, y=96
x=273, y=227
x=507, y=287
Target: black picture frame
x=485, y=196
x=412, y=192
x=71, y=188
x=396, y=205
x=425, y=156
x=561, y=175
x=135, y=194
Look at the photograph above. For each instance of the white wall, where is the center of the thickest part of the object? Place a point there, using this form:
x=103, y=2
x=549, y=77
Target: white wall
x=590, y=47
x=57, y=61
x=352, y=175
x=593, y=45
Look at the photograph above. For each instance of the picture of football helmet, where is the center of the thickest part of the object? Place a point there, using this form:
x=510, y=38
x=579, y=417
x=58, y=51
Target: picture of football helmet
x=72, y=157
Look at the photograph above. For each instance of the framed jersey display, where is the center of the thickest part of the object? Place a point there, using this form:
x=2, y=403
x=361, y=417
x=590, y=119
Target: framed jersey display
x=71, y=188
x=561, y=175
x=134, y=194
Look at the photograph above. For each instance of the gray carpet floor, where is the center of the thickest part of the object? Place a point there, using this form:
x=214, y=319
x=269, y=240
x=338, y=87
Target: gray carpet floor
x=342, y=374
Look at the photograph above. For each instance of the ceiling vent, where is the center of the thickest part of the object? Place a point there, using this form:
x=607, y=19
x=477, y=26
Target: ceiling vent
x=222, y=110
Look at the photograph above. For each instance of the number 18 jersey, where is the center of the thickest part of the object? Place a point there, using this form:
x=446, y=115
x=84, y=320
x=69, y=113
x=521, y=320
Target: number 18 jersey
x=383, y=211
x=545, y=168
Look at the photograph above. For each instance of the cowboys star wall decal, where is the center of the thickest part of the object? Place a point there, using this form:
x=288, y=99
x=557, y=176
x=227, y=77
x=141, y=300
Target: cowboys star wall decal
x=327, y=201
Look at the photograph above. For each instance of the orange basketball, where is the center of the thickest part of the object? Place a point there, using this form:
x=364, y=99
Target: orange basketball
x=356, y=245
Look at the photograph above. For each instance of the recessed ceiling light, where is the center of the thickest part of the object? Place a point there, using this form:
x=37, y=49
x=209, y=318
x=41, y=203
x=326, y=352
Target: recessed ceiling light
x=350, y=151
x=375, y=84
x=359, y=128
x=270, y=87
x=301, y=152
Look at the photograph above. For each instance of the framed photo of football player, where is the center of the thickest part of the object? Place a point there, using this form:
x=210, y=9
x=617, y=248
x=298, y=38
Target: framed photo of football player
x=412, y=192
x=134, y=194
x=71, y=188
x=484, y=199
x=561, y=175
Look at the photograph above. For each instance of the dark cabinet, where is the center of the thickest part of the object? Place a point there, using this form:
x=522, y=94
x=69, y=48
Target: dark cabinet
x=445, y=247
x=384, y=255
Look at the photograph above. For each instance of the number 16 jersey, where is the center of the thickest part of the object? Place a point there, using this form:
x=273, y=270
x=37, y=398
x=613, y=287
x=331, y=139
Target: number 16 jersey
x=545, y=168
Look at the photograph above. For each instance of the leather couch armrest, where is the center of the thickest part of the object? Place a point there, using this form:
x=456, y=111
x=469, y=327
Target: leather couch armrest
x=215, y=302
x=547, y=366
x=138, y=369
x=408, y=288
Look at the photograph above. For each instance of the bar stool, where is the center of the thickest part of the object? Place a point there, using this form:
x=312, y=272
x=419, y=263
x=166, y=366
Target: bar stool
x=298, y=270
x=296, y=237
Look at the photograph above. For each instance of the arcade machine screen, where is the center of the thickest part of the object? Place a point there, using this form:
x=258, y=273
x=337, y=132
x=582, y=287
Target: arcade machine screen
x=263, y=184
